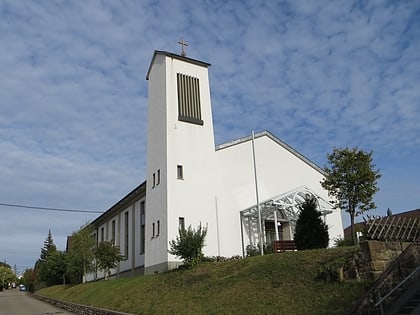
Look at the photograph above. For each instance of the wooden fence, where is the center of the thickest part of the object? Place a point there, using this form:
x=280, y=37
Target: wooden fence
x=392, y=228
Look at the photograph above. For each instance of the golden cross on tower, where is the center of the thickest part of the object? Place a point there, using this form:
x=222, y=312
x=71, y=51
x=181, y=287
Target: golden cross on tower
x=183, y=44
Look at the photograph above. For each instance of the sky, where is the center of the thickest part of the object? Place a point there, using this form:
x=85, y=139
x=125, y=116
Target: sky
x=73, y=96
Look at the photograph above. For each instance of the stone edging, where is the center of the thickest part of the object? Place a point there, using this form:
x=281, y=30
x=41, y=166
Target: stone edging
x=78, y=308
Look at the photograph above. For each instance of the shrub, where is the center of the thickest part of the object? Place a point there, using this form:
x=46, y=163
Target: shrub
x=189, y=244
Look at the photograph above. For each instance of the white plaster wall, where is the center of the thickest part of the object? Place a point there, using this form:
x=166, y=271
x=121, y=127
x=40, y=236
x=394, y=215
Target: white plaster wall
x=172, y=143
x=125, y=264
x=156, y=197
x=191, y=146
x=278, y=171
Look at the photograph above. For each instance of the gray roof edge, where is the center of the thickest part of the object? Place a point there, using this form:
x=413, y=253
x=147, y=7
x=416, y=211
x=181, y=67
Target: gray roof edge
x=275, y=139
x=132, y=195
x=175, y=56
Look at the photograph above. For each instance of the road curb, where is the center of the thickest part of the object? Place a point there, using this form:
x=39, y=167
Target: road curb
x=77, y=308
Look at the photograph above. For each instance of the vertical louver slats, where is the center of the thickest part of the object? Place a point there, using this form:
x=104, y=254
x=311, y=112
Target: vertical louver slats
x=189, y=107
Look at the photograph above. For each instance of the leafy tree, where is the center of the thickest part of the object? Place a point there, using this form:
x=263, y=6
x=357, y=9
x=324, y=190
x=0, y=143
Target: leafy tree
x=6, y=275
x=189, y=244
x=29, y=279
x=310, y=232
x=351, y=179
x=54, y=269
x=107, y=256
x=80, y=255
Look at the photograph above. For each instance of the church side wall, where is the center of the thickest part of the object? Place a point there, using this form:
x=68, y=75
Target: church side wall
x=278, y=171
x=126, y=235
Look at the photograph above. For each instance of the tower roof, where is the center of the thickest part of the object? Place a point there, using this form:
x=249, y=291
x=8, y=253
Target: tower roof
x=175, y=56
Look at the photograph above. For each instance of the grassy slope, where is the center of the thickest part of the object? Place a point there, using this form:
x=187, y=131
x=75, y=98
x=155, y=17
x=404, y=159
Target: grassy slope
x=280, y=283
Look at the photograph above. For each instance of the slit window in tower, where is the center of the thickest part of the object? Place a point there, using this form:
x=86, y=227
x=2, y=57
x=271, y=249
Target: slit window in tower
x=189, y=106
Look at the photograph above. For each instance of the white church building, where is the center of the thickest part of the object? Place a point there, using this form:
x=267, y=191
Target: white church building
x=192, y=181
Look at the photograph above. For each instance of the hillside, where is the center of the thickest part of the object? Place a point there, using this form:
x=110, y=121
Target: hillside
x=283, y=283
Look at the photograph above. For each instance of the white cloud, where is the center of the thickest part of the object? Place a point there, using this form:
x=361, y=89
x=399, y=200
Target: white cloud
x=317, y=74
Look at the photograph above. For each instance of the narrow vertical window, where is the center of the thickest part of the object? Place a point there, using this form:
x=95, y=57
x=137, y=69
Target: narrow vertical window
x=126, y=235
x=158, y=177
x=102, y=234
x=142, y=227
x=95, y=237
x=179, y=172
x=153, y=229
x=113, y=232
x=181, y=225
x=154, y=180
x=158, y=228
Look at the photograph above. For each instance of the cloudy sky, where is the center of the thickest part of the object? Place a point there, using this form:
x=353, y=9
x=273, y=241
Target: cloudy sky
x=73, y=95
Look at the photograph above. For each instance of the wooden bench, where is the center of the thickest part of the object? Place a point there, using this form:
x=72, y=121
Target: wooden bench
x=284, y=245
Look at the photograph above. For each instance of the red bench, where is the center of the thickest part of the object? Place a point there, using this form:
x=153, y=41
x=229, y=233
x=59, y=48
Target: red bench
x=284, y=245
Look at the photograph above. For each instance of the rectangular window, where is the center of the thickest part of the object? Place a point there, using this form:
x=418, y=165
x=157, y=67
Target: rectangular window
x=158, y=228
x=113, y=231
x=154, y=180
x=126, y=235
x=179, y=172
x=181, y=223
x=102, y=234
x=189, y=106
x=142, y=227
x=95, y=237
x=158, y=177
x=153, y=229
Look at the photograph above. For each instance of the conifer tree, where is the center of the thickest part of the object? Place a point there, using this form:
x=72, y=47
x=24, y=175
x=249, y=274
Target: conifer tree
x=47, y=250
x=48, y=247
x=310, y=232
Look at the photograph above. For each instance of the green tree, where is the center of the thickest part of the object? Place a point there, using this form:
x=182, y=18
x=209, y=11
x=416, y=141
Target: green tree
x=189, y=244
x=80, y=255
x=6, y=275
x=49, y=247
x=54, y=269
x=29, y=279
x=47, y=250
x=107, y=257
x=351, y=179
x=310, y=232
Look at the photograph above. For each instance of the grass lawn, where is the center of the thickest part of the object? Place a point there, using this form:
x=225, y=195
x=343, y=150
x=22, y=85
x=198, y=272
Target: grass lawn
x=283, y=283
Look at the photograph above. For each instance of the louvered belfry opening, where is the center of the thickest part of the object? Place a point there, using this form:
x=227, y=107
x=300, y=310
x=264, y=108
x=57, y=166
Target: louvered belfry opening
x=189, y=106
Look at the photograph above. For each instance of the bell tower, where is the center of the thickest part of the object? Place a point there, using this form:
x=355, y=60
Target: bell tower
x=181, y=166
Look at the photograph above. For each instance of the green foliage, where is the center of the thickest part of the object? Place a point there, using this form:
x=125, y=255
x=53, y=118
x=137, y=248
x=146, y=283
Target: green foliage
x=48, y=248
x=351, y=179
x=107, y=256
x=41, y=266
x=271, y=284
x=252, y=250
x=6, y=275
x=189, y=244
x=29, y=279
x=330, y=271
x=80, y=255
x=54, y=269
x=346, y=241
x=310, y=232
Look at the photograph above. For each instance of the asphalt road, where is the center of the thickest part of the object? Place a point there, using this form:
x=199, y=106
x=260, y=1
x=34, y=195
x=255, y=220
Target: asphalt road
x=14, y=302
